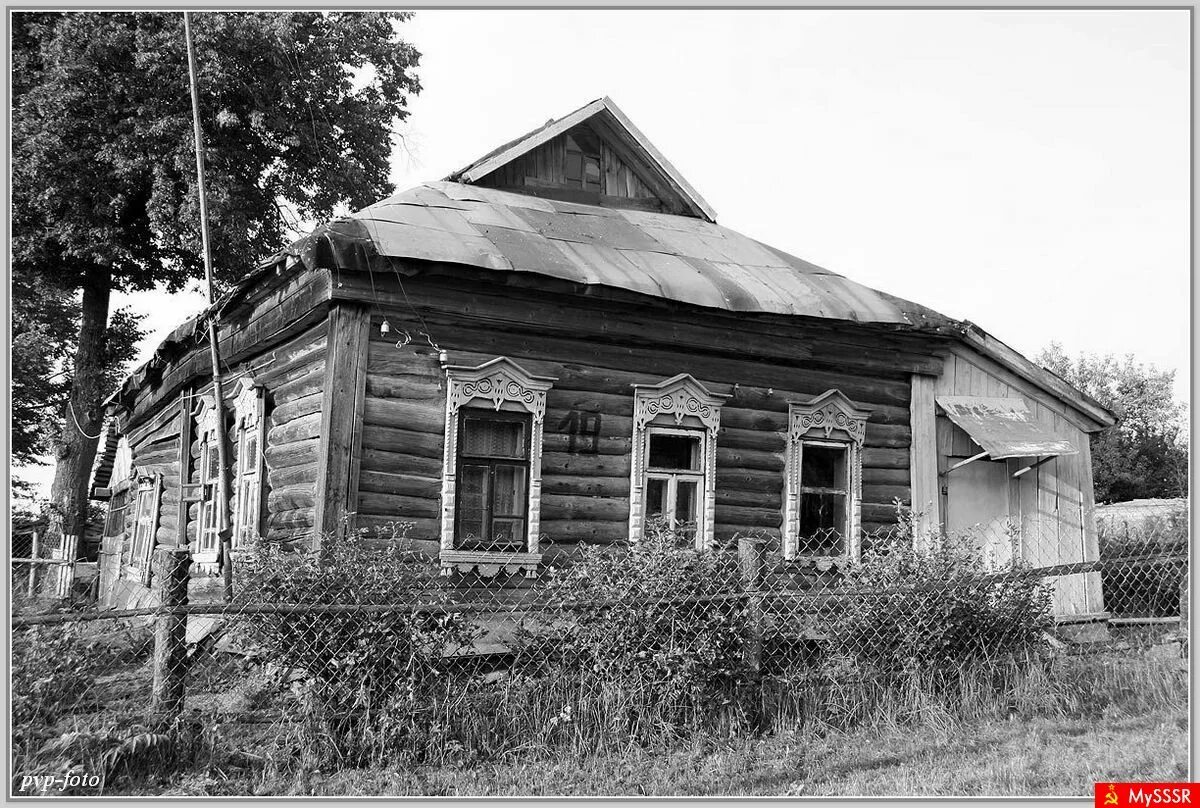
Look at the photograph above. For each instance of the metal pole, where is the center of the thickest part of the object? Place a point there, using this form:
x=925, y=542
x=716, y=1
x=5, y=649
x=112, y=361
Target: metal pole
x=223, y=520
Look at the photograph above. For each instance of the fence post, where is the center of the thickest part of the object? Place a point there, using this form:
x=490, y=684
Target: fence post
x=170, y=633
x=64, y=570
x=31, y=587
x=1184, y=606
x=750, y=563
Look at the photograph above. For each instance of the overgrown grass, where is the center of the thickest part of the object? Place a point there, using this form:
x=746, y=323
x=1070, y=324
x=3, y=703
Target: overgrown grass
x=1053, y=733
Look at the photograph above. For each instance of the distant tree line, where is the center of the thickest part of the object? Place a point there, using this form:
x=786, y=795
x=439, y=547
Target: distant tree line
x=1146, y=455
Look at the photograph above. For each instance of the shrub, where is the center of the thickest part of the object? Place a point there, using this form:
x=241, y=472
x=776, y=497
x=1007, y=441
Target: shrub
x=366, y=678
x=646, y=632
x=933, y=611
x=1150, y=589
x=54, y=671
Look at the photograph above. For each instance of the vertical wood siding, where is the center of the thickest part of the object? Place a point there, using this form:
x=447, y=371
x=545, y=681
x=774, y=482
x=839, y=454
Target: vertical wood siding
x=1052, y=502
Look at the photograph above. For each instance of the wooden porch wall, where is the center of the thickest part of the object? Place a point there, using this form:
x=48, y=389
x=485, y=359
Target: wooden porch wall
x=1053, y=502
x=597, y=352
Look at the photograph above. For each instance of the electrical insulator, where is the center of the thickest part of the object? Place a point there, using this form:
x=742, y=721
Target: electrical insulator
x=384, y=328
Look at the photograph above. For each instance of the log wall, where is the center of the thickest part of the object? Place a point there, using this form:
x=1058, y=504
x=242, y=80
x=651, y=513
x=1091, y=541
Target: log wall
x=292, y=374
x=589, y=420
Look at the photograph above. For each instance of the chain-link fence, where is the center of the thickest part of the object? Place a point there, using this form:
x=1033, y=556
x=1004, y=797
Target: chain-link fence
x=367, y=651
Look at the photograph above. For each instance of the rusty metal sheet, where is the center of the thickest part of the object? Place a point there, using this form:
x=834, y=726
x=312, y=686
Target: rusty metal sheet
x=678, y=279
x=530, y=252
x=481, y=214
x=610, y=231
x=675, y=257
x=474, y=193
x=1004, y=427
x=606, y=266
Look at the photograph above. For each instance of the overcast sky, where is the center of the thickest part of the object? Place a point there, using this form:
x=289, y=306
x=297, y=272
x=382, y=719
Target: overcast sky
x=1023, y=169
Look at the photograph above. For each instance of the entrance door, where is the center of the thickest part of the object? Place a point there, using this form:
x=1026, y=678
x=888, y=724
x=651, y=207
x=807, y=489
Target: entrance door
x=977, y=503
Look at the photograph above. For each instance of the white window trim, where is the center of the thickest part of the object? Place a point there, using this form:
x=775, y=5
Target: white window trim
x=829, y=419
x=139, y=564
x=675, y=475
x=669, y=403
x=500, y=384
x=248, y=422
x=206, y=430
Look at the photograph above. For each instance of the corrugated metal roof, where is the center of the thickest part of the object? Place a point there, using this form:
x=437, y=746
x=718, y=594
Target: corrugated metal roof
x=1003, y=427
x=662, y=255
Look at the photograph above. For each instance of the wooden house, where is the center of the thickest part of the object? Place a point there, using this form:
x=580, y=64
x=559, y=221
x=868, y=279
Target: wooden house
x=559, y=341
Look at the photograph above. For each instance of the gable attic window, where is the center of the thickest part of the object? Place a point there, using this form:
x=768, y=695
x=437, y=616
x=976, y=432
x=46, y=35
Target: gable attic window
x=249, y=436
x=823, y=474
x=673, y=469
x=583, y=162
x=492, y=468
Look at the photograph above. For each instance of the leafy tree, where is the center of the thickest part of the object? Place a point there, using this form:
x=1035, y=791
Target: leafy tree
x=298, y=110
x=1146, y=455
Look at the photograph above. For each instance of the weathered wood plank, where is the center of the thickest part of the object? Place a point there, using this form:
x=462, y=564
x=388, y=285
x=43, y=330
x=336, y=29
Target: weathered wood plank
x=184, y=463
x=341, y=415
x=397, y=507
x=292, y=408
x=292, y=453
x=923, y=470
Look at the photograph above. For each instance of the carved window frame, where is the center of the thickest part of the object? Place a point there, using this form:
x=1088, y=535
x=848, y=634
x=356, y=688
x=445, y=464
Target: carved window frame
x=206, y=436
x=499, y=384
x=828, y=419
x=138, y=551
x=249, y=424
x=676, y=402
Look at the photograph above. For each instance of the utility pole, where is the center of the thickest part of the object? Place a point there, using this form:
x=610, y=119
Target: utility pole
x=222, y=503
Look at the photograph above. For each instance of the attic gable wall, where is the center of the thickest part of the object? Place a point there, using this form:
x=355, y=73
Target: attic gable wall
x=559, y=169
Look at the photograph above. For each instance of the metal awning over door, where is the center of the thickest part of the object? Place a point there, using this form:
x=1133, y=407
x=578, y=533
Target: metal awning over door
x=1004, y=427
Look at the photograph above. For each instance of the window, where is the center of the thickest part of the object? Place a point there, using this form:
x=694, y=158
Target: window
x=208, y=539
x=140, y=547
x=582, y=167
x=674, y=476
x=824, y=499
x=824, y=478
x=249, y=434
x=492, y=471
x=675, y=428
x=208, y=527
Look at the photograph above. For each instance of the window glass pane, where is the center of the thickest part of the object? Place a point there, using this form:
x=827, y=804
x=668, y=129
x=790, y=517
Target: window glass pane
x=489, y=437
x=213, y=459
x=656, y=496
x=472, y=502
x=823, y=467
x=591, y=173
x=674, y=452
x=508, y=497
x=822, y=524
x=250, y=461
x=685, y=501
x=508, y=531
x=574, y=166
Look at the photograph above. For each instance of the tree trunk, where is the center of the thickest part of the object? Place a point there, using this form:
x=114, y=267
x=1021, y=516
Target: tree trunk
x=76, y=448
